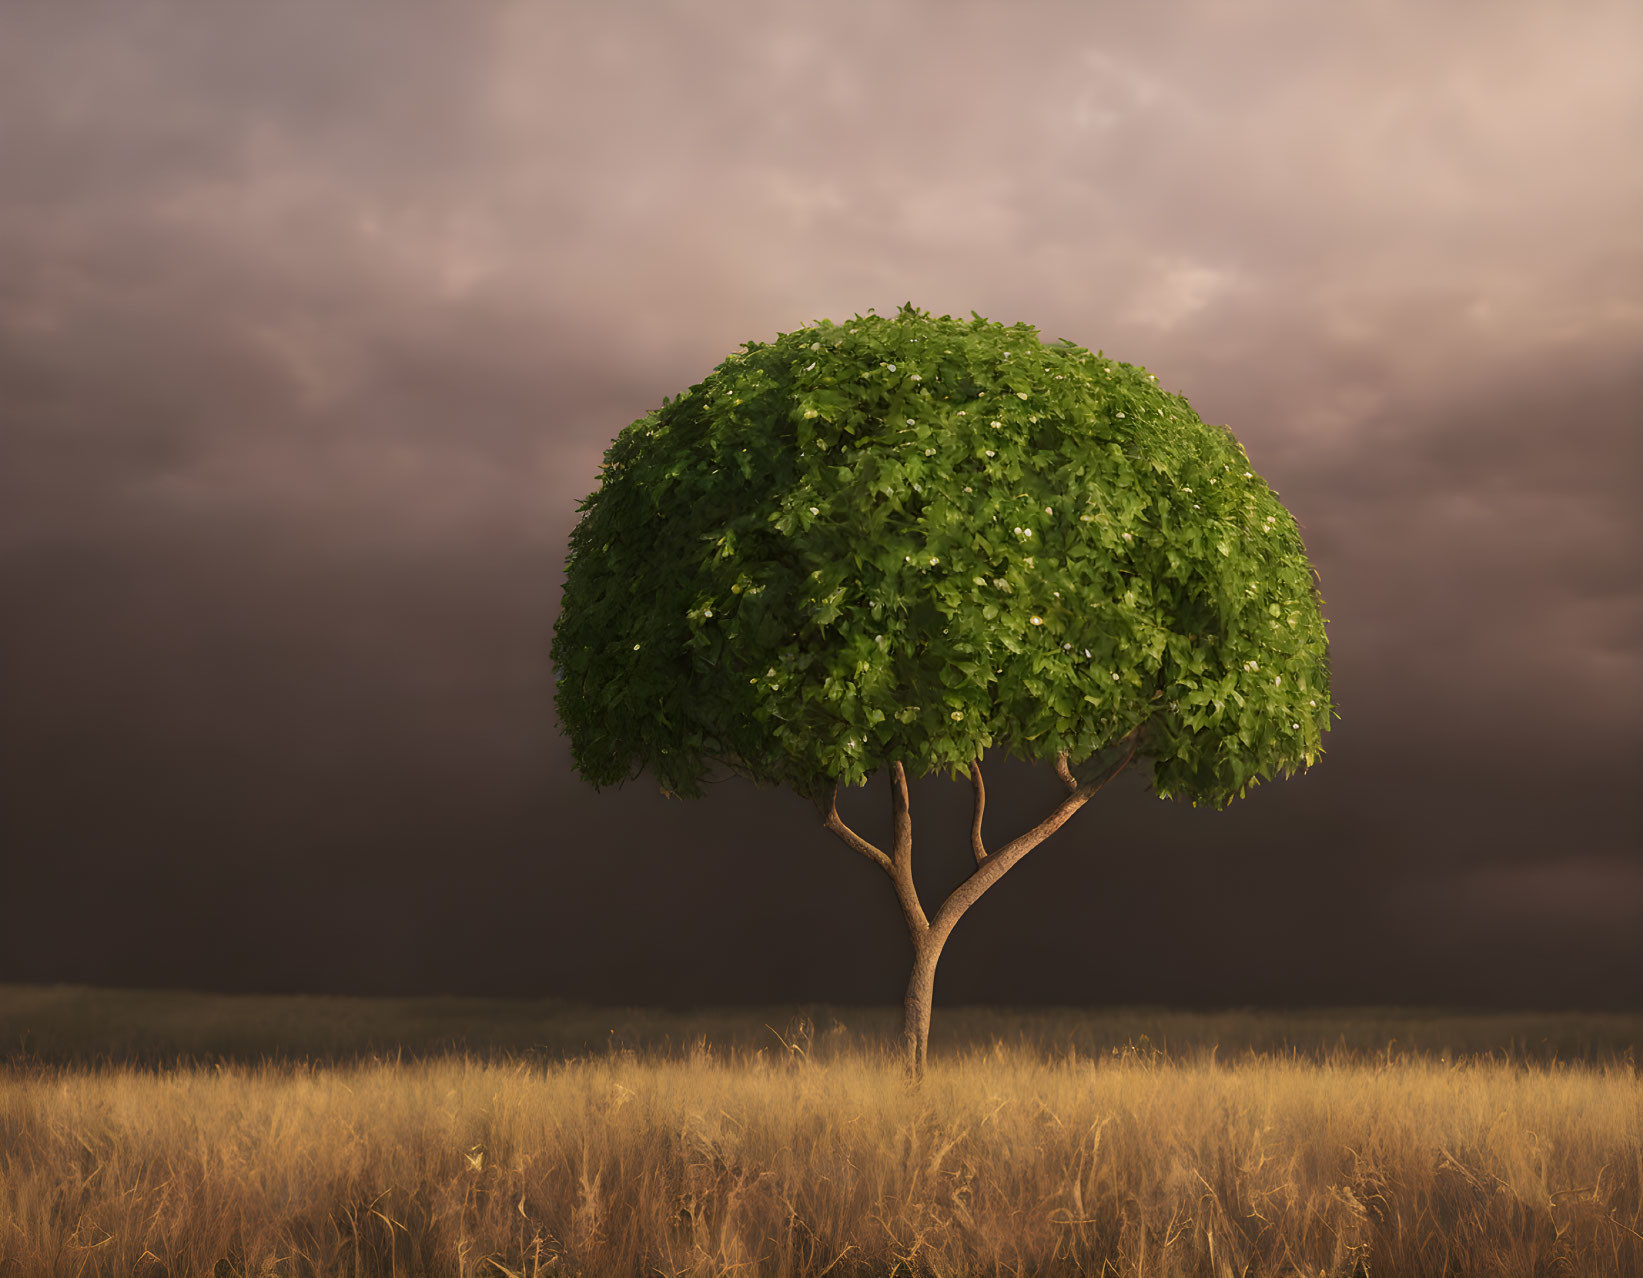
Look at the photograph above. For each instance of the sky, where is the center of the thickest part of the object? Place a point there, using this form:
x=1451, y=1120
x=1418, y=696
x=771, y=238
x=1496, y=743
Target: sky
x=316, y=322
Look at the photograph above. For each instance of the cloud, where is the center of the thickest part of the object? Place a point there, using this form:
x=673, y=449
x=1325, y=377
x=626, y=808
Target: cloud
x=314, y=326
x=274, y=285
x=1178, y=290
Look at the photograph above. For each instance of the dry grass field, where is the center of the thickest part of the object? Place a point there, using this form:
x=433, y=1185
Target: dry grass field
x=706, y=1143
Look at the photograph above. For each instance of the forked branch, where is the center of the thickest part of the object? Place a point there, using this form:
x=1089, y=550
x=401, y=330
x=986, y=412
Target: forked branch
x=836, y=824
x=901, y=860
x=990, y=866
x=976, y=845
x=994, y=865
x=898, y=866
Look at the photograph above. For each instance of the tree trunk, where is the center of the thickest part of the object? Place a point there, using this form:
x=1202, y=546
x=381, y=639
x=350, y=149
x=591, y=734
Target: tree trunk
x=921, y=986
x=929, y=935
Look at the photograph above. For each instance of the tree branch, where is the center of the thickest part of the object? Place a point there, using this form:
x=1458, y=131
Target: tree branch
x=1064, y=772
x=854, y=840
x=993, y=868
x=976, y=845
x=901, y=864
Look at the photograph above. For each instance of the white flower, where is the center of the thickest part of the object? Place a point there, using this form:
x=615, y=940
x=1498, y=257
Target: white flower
x=1048, y=511
x=1277, y=680
x=1120, y=414
x=636, y=647
x=1000, y=582
x=934, y=560
x=1037, y=621
x=917, y=378
x=1021, y=394
x=808, y=367
x=1066, y=647
x=815, y=510
x=1312, y=703
x=961, y=412
x=990, y=453
x=1056, y=593
x=968, y=489
x=1249, y=474
x=929, y=452
x=891, y=367
x=995, y=425
x=1127, y=537
x=1115, y=678
x=958, y=714
x=708, y=613
x=1086, y=652
x=1016, y=531
x=1029, y=561
x=1294, y=725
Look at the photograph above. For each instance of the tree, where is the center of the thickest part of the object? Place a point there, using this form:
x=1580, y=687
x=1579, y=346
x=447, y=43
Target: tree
x=904, y=542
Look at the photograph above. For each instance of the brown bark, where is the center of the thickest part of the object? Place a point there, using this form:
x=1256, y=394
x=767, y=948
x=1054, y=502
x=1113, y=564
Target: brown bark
x=901, y=859
x=921, y=988
x=1000, y=860
x=976, y=845
x=928, y=936
x=851, y=838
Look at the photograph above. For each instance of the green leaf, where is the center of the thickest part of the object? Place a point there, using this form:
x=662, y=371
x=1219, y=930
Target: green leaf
x=831, y=624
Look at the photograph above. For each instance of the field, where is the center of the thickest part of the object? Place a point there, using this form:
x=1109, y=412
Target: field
x=182, y=1134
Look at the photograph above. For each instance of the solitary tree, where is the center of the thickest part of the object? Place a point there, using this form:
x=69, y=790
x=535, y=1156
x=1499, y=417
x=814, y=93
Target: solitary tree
x=904, y=542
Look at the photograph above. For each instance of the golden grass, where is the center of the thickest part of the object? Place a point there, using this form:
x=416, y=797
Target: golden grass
x=706, y=1162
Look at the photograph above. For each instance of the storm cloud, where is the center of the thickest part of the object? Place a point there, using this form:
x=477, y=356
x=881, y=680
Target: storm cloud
x=315, y=325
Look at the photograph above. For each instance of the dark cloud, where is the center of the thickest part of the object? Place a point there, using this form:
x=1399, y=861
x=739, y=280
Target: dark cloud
x=314, y=327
